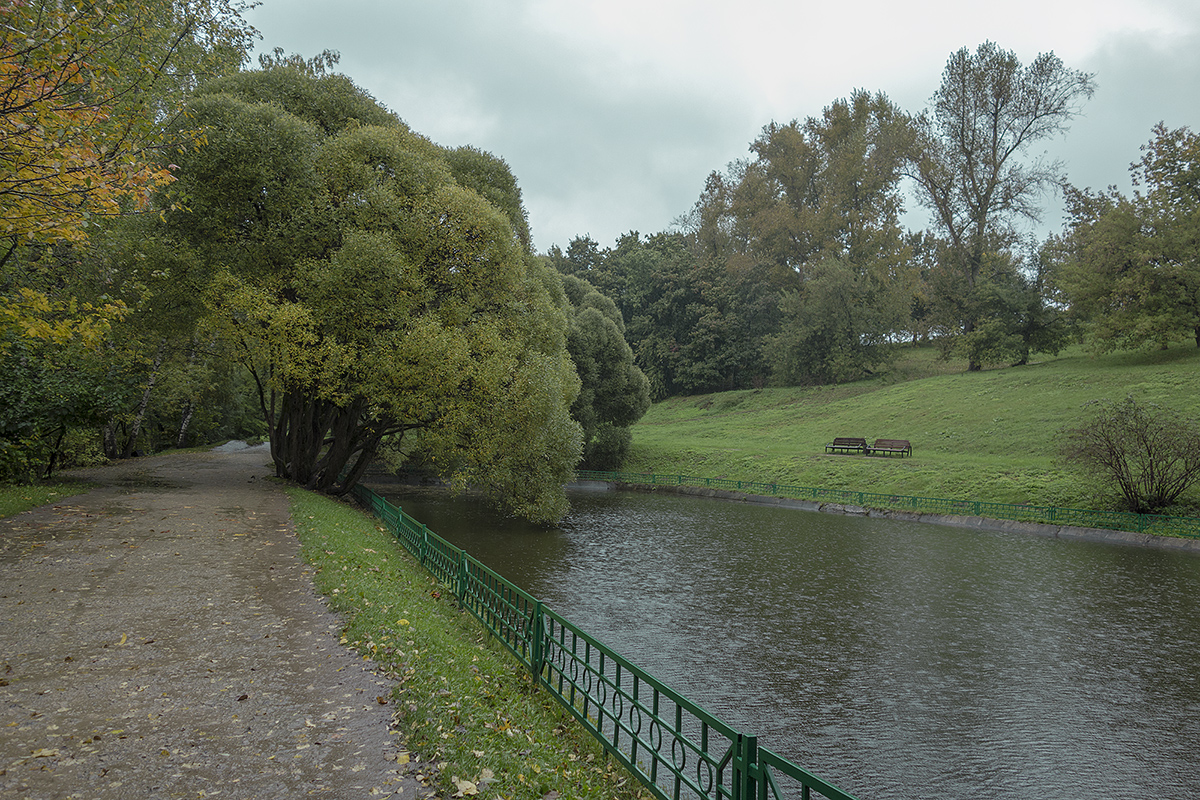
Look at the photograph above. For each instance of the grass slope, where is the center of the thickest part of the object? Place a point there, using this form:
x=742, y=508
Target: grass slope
x=988, y=436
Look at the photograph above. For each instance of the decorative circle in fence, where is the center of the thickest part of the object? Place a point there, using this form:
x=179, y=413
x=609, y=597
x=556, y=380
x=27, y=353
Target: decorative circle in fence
x=655, y=740
x=679, y=755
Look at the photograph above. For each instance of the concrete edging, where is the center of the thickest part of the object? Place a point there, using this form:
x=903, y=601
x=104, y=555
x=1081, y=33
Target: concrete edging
x=976, y=523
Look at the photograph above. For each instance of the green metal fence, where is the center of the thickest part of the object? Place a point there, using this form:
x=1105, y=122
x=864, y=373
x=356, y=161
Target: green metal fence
x=1184, y=527
x=674, y=747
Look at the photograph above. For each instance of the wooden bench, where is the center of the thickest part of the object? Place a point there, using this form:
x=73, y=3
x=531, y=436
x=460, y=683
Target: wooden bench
x=847, y=445
x=888, y=446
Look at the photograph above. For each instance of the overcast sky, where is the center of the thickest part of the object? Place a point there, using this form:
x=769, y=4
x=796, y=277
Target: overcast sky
x=611, y=113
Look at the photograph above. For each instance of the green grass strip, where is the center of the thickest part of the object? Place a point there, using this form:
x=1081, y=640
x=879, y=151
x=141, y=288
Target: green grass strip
x=15, y=498
x=462, y=702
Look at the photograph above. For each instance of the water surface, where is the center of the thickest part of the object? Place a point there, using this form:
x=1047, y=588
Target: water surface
x=893, y=659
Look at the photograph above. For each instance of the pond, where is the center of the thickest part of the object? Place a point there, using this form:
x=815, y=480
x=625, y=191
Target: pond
x=893, y=659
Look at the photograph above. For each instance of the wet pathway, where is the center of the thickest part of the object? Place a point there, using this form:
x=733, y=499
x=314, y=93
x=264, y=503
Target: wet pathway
x=160, y=637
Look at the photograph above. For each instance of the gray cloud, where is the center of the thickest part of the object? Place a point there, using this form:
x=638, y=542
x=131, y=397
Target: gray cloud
x=616, y=129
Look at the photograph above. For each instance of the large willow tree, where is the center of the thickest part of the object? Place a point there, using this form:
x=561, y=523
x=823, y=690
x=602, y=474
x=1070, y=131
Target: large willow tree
x=379, y=288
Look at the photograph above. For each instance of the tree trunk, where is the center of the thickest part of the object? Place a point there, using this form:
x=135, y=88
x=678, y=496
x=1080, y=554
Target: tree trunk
x=55, y=452
x=365, y=456
x=973, y=362
x=315, y=442
x=184, y=422
x=189, y=407
x=136, y=429
x=109, y=441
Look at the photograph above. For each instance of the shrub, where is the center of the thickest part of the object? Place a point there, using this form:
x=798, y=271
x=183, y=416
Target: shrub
x=1151, y=454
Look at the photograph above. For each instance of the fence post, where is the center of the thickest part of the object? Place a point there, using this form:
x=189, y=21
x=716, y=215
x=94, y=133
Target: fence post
x=537, y=654
x=745, y=767
x=424, y=544
x=460, y=579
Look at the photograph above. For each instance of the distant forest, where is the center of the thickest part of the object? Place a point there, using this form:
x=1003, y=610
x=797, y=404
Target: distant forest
x=793, y=266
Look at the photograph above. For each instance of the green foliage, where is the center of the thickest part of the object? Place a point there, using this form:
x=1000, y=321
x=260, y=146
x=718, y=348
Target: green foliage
x=838, y=327
x=817, y=213
x=373, y=295
x=50, y=387
x=331, y=102
x=491, y=178
x=1013, y=313
x=1131, y=266
x=965, y=158
x=614, y=394
x=827, y=188
x=1149, y=453
x=693, y=325
x=90, y=96
x=462, y=701
x=87, y=92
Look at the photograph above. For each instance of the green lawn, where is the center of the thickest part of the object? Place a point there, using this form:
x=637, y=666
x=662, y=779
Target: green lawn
x=988, y=436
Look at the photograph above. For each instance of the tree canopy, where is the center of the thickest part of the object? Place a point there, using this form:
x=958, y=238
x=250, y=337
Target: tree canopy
x=614, y=393
x=1130, y=266
x=966, y=160
x=84, y=91
x=89, y=93
x=373, y=297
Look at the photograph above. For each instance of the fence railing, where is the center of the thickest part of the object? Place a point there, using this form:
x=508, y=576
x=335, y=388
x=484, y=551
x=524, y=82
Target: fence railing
x=674, y=747
x=1184, y=527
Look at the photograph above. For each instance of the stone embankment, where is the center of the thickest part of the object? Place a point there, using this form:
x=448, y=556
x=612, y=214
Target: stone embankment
x=976, y=523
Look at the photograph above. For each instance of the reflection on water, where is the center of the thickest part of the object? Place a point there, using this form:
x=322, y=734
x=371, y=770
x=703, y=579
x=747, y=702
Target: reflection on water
x=893, y=659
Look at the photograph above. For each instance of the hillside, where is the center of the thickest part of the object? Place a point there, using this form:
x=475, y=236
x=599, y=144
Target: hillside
x=986, y=435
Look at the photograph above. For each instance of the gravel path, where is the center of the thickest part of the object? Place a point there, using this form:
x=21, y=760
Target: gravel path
x=160, y=637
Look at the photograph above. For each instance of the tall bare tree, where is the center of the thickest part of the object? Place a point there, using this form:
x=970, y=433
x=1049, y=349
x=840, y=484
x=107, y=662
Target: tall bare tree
x=968, y=154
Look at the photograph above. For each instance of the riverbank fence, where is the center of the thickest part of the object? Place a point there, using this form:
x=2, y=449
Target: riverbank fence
x=1157, y=524
x=674, y=747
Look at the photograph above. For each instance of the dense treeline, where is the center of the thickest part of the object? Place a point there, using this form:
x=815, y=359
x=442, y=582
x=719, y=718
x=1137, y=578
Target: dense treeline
x=794, y=268
x=192, y=250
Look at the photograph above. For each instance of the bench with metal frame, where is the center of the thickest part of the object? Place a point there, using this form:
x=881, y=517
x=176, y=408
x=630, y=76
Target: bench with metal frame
x=887, y=447
x=847, y=445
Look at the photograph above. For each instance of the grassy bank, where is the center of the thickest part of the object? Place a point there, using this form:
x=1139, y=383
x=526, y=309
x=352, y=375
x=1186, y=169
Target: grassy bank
x=15, y=498
x=988, y=436
x=462, y=703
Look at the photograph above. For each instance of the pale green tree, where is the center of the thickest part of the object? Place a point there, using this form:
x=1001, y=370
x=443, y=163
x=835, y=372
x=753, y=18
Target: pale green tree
x=820, y=210
x=968, y=156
